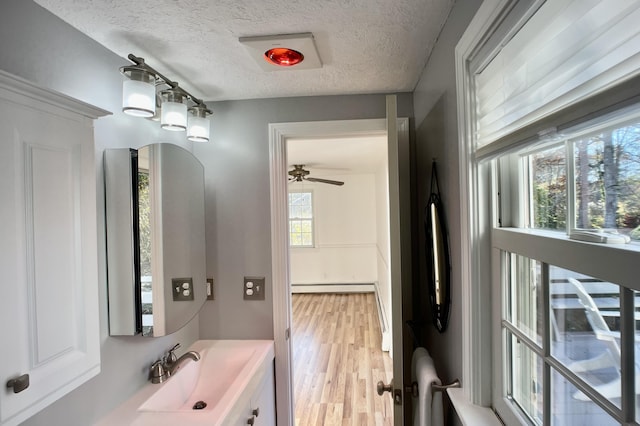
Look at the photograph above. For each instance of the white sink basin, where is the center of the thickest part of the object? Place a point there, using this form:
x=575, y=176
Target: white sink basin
x=207, y=380
x=224, y=378
x=221, y=374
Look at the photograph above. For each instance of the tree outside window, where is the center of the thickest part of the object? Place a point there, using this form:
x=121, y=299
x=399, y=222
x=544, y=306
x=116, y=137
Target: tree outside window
x=607, y=183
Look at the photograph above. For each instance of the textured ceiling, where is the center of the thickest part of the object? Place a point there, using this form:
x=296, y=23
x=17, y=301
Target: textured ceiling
x=366, y=46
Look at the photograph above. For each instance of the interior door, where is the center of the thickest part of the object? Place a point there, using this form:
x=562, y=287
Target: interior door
x=396, y=260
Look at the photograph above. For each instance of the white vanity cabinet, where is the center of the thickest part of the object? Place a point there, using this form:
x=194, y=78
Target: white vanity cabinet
x=49, y=318
x=260, y=407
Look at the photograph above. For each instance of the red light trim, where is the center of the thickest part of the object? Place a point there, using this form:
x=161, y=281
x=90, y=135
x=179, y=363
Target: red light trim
x=283, y=56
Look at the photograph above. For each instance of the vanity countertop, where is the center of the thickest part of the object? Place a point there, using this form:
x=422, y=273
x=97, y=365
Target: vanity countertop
x=256, y=355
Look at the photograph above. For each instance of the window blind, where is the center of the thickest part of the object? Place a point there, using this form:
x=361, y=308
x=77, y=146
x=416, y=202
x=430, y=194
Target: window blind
x=567, y=51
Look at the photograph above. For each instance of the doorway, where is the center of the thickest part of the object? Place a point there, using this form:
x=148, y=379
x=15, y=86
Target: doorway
x=398, y=173
x=340, y=278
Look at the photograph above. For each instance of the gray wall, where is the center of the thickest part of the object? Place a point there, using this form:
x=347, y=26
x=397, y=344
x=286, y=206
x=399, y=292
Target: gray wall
x=236, y=165
x=435, y=106
x=41, y=48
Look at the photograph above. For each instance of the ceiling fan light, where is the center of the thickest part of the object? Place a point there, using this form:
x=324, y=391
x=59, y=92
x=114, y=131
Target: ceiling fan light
x=138, y=92
x=174, y=111
x=199, y=125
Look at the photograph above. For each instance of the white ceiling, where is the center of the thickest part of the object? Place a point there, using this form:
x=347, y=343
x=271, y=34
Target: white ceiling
x=338, y=156
x=366, y=46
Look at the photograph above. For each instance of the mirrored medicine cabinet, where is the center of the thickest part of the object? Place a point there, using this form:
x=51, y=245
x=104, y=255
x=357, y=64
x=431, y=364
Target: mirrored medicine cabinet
x=156, y=273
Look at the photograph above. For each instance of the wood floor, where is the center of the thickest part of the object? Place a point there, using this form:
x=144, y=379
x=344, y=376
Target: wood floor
x=337, y=361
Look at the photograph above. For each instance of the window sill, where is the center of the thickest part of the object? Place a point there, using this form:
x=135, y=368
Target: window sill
x=469, y=413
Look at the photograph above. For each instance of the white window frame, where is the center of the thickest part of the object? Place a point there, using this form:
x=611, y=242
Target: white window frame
x=312, y=220
x=612, y=263
x=478, y=258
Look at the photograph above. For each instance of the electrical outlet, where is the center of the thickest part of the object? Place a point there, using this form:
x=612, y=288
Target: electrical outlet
x=182, y=289
x=210, y=289
x=253, y=288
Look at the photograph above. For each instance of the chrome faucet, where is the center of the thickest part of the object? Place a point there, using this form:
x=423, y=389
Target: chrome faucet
x=162, y=369
x=193, y=355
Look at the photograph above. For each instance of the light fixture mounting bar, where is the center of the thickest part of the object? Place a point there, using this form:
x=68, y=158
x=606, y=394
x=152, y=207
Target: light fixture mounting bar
x=172, y=84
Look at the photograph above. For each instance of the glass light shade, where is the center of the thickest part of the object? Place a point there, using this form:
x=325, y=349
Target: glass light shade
x=199, y=126
x=173, y=116
x=139, y=97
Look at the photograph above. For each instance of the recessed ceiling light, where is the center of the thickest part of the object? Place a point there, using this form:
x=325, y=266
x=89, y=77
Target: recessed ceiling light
x=283, y=52
x=283, y=56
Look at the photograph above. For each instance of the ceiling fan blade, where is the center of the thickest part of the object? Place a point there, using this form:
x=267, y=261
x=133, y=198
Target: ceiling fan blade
x=331, y=182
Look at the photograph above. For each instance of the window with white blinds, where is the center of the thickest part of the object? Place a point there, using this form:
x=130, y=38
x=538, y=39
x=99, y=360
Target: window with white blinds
x=566, y=51
x=549, y=104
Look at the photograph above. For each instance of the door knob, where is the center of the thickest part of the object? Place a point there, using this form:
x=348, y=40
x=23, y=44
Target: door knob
x=19, y=383
x=382, y=388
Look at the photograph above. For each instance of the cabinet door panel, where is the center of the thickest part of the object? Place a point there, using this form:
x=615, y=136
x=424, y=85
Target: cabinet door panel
x=264, y=400
x=48, y=255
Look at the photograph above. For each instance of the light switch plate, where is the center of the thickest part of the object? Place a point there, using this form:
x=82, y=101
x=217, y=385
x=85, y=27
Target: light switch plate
x=253, y=288
x=182, y=289
x=210, y=289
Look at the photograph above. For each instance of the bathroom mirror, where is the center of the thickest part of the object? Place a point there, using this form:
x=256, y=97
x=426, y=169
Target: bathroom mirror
x=155, y=239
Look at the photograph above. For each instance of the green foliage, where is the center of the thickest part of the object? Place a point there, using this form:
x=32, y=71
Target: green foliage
x=144, y=223
x=607, y=186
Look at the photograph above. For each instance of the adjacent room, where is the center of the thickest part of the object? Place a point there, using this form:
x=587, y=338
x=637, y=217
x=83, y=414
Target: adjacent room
x=340, y=278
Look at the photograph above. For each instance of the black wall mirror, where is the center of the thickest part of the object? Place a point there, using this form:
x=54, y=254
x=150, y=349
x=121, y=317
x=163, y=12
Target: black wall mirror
x=156, y=260
x=438, y=261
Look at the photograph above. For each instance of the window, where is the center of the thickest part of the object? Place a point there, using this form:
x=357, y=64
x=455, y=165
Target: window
x=548, y=154
x=301, y=219
x=599, y=173
x=567, y=314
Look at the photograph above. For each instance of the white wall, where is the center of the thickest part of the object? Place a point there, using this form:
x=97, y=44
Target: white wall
x=345, y=233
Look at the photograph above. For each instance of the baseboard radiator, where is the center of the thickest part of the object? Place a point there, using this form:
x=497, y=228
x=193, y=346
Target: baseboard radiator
x=333, y=288
x=385, y=326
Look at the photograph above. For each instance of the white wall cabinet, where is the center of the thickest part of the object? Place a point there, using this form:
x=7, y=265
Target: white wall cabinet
x=262, y=400
x=48, y=247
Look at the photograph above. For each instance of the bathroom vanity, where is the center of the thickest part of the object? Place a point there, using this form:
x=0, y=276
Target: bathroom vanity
x=232, y=384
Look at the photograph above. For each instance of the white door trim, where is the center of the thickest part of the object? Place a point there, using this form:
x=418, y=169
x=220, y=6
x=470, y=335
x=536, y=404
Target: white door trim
x=278, y=135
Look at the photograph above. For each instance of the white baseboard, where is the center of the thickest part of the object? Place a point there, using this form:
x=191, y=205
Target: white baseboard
x=332, y=288
x=385, y=327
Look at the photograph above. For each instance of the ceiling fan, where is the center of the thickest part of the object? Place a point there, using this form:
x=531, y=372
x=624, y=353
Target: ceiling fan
x=299, y=174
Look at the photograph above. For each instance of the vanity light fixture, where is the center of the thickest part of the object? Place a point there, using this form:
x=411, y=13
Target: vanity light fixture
x=138, y=92
x=141, y=97
x=174, y=110
x=198, y=125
